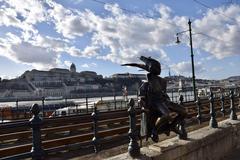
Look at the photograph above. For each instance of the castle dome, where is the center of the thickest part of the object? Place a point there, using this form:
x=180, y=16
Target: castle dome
x=72, y=68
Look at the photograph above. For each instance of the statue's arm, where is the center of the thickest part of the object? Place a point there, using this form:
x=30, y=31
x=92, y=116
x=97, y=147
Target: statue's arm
x=143, y=96
x=164, y=88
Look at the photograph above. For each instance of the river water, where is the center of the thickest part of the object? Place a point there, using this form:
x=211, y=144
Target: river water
x=188, y=96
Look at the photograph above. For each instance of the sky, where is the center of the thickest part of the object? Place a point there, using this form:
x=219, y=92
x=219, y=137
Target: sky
x=100, y=35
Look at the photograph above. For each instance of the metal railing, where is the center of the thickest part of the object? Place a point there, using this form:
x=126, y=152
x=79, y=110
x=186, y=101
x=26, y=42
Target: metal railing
x=20, y=109
x=60, y=124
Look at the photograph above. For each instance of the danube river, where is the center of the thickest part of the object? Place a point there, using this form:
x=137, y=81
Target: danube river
x=173, y=96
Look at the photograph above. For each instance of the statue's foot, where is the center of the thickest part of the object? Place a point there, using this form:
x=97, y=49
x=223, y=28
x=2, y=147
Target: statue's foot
x=154, y=135
x=167, y=132
x=181, y=132
x=165, y=128
x=154, y=138
x=182, y=136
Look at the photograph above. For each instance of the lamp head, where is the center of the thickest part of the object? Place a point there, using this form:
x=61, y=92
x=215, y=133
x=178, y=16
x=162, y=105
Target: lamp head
x=178, y=41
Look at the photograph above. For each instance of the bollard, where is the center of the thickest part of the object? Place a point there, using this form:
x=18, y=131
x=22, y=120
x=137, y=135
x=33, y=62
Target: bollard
x=233, y=115
x=35, y=123
x=213, y=122
x=133, y=147
x=199, y=115
x=86, y=104
x=222, y=98
x=95, y=130
x=43, y=99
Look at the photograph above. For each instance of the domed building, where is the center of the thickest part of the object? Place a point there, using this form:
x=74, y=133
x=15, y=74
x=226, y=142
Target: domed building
x=72, y=68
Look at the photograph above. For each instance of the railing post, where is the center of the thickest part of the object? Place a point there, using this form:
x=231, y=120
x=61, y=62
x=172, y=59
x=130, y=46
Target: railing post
x=43, y=99
x=185, y=96
x=213, y=122
x=181, y=99
x=2, y=114
x=86, y=104
x=115, y=104
x=238, y=100
x=222, y=98
x=199, y=115
x=133, y=147
x=76, y=108
x=17, y=108
x=182, y=123
x=233, y=115
x=65, y=101
x=95, y=129
x=35, y=123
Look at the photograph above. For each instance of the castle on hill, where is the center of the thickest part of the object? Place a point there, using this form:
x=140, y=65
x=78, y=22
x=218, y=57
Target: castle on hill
x=60, y=82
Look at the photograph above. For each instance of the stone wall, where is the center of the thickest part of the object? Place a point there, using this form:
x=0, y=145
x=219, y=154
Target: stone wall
x=203, y=144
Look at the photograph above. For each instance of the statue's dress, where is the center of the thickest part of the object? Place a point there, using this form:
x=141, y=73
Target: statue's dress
x=156, y=100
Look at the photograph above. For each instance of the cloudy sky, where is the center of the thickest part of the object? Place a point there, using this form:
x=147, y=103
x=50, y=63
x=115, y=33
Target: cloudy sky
x=99, y=35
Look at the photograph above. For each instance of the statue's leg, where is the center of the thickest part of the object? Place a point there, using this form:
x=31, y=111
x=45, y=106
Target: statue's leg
x=178, y=124
x=151, y=128
x=162, y=124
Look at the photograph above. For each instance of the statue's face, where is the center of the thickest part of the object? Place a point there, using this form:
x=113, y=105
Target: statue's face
x=154, y=67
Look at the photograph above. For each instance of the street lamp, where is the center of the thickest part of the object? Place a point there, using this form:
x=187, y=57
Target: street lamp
x=193, y=72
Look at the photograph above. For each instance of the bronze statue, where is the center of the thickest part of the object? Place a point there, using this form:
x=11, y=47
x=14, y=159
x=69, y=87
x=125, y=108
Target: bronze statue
x=157, y=105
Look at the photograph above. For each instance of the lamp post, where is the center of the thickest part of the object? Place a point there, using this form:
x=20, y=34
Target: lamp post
x=192, y=56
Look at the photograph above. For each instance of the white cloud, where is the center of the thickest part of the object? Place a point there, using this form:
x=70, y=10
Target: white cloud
x=223, y=31
x=55, y=44
x=85, y=65
x=6, y=77
x=67, y=63
x=185, y=68
x=164, y=10
x=117, y=37
x=23, y=15
x=67, y=22
x=216, y=69
x=23, y=52
x=32, y=11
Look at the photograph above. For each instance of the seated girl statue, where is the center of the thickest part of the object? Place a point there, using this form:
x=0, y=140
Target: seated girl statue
x=157, y=105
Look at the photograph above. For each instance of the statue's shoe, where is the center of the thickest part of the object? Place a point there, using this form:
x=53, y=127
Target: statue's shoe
x=154, y=138
x=165, y=129
x=182, y=134
x=167, y=132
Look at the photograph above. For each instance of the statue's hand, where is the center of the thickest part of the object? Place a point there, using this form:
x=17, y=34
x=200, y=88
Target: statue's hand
x=145, y=110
